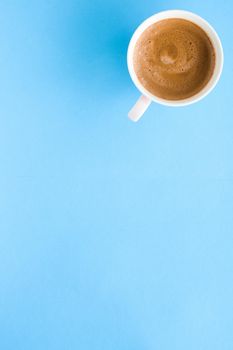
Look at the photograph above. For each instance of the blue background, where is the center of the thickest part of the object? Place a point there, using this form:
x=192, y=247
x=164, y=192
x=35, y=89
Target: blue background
x=113, y=235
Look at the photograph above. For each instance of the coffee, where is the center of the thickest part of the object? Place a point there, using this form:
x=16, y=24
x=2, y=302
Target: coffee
x=174, y=59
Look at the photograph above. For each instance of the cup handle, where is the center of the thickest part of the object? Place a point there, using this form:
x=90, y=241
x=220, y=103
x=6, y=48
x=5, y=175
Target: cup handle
x=139, y=108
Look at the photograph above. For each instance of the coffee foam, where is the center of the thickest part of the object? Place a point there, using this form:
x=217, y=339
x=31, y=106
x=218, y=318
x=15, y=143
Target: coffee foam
x=174, y=59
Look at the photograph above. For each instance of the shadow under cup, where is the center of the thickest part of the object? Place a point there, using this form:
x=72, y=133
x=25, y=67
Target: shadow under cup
x=147, y=97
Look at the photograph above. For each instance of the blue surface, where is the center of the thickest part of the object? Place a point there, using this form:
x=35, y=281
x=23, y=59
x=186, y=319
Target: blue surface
x=113, y=235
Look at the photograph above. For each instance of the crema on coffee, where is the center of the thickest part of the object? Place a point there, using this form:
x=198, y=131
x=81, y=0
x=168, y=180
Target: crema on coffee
x=174, y=59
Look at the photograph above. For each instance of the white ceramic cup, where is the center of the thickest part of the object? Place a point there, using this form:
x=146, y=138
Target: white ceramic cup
x=145, y=100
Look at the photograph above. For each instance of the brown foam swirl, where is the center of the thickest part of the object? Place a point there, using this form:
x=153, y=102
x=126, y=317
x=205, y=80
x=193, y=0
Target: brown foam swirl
x=174, y=59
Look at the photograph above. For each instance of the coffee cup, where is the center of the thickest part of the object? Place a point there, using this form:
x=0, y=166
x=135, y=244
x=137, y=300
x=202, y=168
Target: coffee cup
x=147, y=97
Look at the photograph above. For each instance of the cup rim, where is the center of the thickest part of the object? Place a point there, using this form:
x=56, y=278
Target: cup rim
x=209, y=30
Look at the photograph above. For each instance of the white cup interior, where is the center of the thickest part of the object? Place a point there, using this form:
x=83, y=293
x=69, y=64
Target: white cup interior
x=211, y=34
